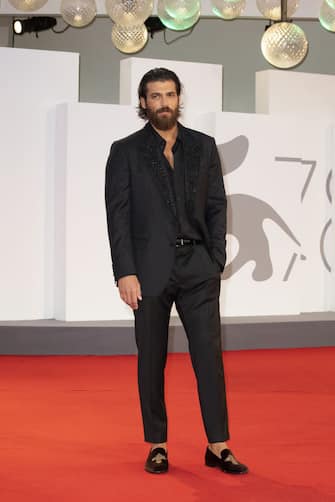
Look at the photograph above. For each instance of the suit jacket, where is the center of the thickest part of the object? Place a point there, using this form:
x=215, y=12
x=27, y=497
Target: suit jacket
x=141, y=211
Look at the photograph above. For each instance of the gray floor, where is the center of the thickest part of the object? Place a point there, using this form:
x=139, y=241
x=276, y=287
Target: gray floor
x=43, y=337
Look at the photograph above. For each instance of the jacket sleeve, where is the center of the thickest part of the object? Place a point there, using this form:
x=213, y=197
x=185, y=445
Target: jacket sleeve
x=118, y=201
x=216, y=213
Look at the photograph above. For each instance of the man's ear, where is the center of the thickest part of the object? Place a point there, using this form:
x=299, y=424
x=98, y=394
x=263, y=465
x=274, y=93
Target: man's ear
x=143, y=103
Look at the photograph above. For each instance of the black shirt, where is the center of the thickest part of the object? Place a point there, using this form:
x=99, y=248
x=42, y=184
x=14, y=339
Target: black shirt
x=176, y=177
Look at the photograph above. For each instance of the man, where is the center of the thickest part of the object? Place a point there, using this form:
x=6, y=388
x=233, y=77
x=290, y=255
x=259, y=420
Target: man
x=166, y=214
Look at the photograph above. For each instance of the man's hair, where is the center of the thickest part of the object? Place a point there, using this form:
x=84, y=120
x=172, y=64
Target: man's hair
x=155, y=75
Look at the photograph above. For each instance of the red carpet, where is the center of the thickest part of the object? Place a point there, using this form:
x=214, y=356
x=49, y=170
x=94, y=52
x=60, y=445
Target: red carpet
x=70, y=430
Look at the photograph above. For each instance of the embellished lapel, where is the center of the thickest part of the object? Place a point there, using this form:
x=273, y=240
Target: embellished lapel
x=191, y=165
x=152, y=158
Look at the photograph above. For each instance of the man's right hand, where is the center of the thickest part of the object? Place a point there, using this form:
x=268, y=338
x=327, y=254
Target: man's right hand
x=130, y=290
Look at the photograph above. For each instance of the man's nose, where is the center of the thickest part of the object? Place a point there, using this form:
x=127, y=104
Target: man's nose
x=164, y=101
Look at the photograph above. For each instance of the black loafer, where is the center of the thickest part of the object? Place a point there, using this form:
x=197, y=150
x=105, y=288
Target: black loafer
x=227, y=462
x=157, y=461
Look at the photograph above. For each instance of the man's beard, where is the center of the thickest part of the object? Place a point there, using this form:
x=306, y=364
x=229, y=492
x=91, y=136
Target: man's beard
x=163, y=122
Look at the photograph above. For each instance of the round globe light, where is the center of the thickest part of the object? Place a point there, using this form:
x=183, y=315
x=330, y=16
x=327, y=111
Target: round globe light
x=129, y=39
x=327, y=17
x=78, y=13
x=331, y=3
x=177, y=23
x=27, y=5
x=181, y=8
x=129, y=12
x=271, y=9
x=228, y=9
x=284, y=45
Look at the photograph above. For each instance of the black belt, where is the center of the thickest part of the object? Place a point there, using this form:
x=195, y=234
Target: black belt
x=180, y=242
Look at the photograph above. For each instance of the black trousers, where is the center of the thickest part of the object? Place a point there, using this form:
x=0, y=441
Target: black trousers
x=194, y=286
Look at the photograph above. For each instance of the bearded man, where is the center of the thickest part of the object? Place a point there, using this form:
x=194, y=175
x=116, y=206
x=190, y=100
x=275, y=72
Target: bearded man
x=166, y=215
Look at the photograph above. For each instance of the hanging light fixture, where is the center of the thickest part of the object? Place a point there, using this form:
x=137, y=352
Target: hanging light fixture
x=228, y=9
x=271, y=9
x=181, y=8
x=27, y=5
x=178, y=15
x=284, y=44
x=78, y=13
x=129, y=12
x=129, y=39
x=327, y=15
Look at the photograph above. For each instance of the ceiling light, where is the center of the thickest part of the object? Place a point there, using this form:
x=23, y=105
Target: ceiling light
x=271, y=9
x=78, y=13
x=129, y=12
x=129, y=39
x=228, y=9
x=28, y=5
x=181, y=8
x=179, y=19
x=284, y=45
x=327, y=16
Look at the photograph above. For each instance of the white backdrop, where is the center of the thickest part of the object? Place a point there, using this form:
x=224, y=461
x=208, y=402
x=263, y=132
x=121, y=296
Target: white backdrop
x=295, y=93
x=278, y=174
x=296, y=280
x=277, y=202
x=84, y=281
x=31, y=83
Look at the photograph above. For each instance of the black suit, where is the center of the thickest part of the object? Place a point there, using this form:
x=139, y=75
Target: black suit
x=141, y=214
x=142, y=227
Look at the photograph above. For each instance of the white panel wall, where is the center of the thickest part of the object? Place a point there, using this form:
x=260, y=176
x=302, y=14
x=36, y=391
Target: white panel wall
x=309, y=96
x=328, y=235
x=85, y=287
x=32, y=83
x=269, y=193
x=295, y=93
x=282, y=217
x=277, y=174
x=202, y=84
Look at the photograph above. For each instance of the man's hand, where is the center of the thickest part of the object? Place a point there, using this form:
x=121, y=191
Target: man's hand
x=130, y=290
